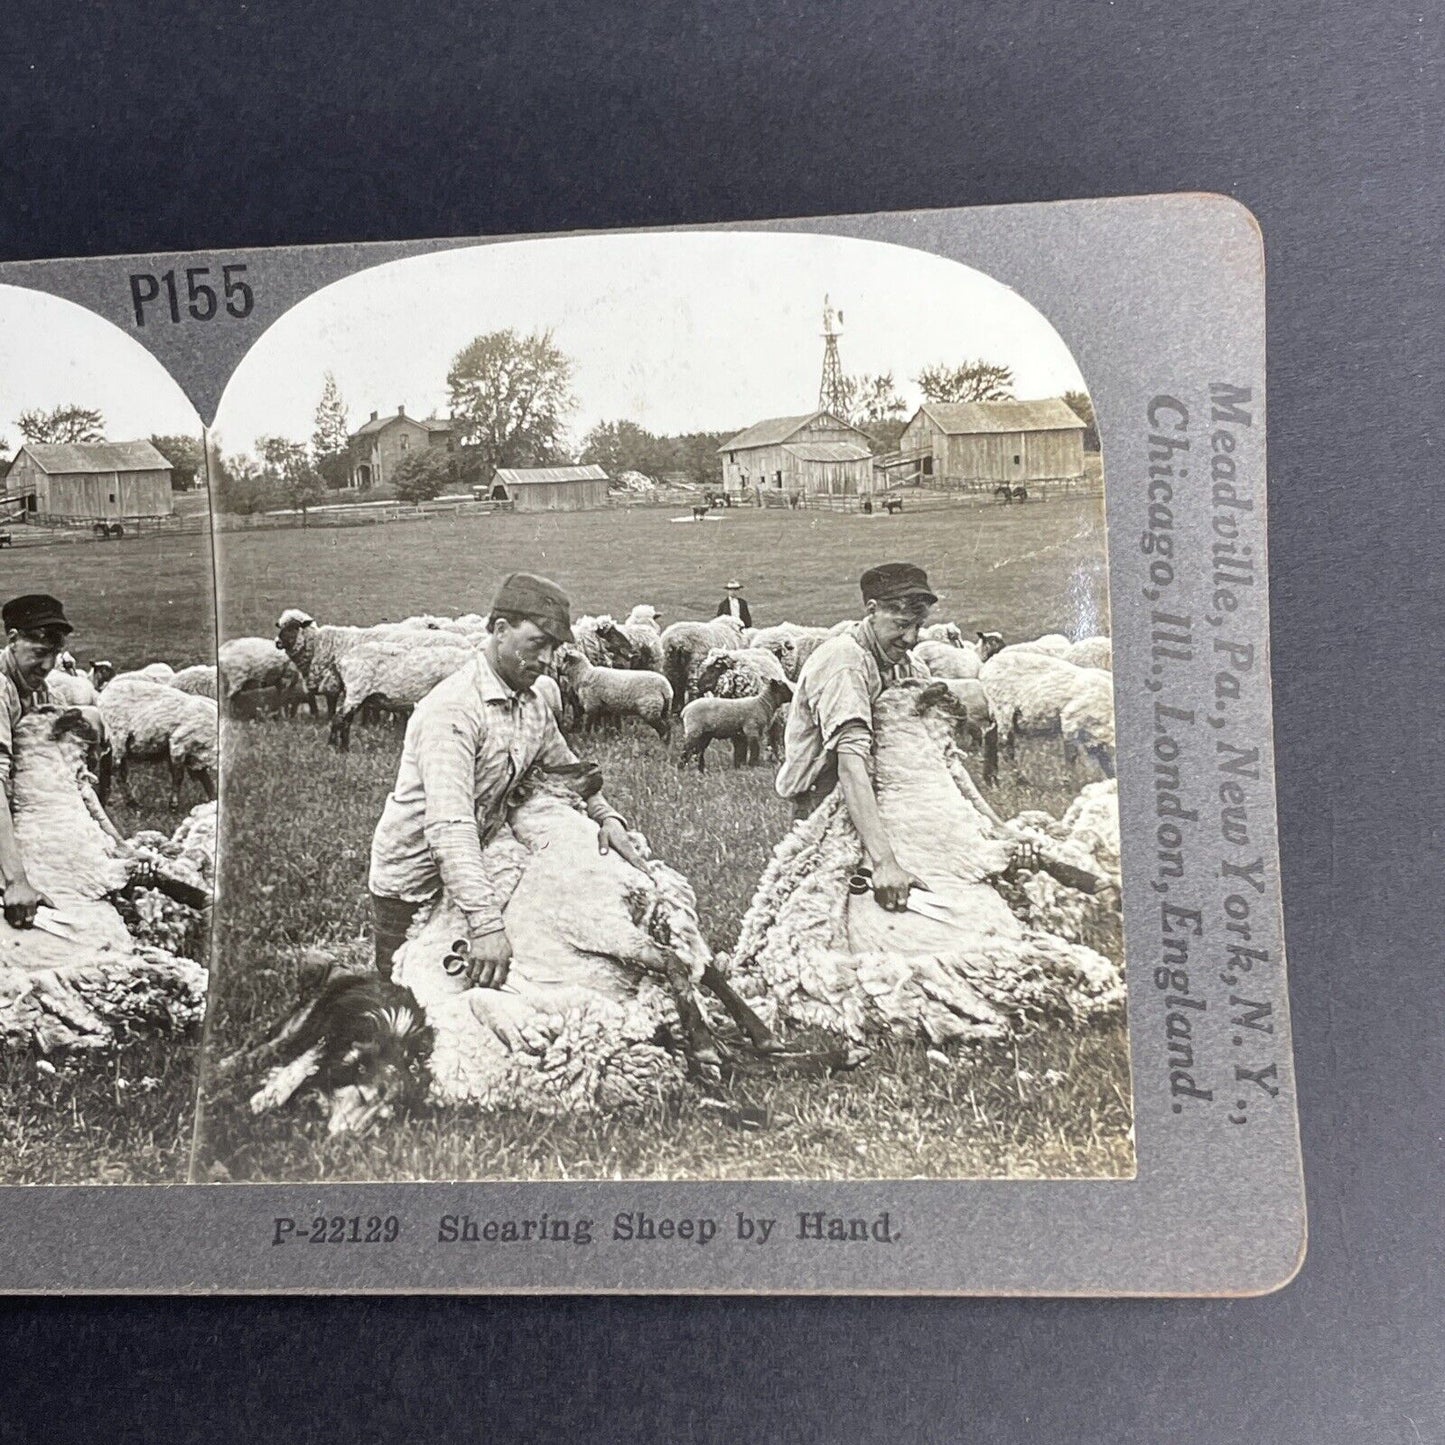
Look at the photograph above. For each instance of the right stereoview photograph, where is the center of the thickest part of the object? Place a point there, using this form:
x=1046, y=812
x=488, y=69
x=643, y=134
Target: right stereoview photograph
x=667, y=726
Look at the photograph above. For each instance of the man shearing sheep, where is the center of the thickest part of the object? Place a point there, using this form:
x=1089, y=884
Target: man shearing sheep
x=469, y=741
x=829, y=738
x=36, y=633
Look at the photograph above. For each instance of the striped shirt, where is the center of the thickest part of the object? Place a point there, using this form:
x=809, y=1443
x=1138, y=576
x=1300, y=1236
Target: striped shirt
x=470, y=739
x=15, y=701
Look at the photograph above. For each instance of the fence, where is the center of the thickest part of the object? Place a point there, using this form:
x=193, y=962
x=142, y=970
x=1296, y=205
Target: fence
x=61, y=531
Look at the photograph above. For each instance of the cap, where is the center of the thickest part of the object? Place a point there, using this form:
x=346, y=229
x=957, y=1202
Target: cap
x=734, y=586
x=539, y=601
x=893, y=581
x=34, y=612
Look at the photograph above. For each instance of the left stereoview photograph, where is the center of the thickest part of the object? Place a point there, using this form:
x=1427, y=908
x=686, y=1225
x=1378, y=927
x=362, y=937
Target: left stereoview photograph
x=108, y=739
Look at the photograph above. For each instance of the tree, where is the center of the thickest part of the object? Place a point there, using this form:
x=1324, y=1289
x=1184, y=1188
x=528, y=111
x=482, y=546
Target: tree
x=423, y=474
x=331, y=441
x=624, y=446
x=62, y=424
x=510, y=397
x=186, y=456
x=969, y=381
x=242, y=487
x=287, y=465
x=1083, y=408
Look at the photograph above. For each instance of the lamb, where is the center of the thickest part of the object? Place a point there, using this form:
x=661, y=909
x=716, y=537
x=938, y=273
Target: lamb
x=686, y=644
x=199, y=680
x=152, y=721
x=741, y=673
x=746, y=720
x=1030, y=690
x=600, y=1008
x=613, y=693
x=1092, y=652
x=791, y=644
x=83, y=981
x=397, y=674
x=813, y=955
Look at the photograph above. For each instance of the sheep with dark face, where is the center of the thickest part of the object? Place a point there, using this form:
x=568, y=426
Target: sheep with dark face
x=685, y=645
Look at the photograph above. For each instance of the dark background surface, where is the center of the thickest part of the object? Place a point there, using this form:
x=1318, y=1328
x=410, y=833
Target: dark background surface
x=218, y=123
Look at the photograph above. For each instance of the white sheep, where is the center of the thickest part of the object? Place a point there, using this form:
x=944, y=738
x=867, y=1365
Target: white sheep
x=978, y=730
x=790, y=643
x=743, y=672
x=602, y=641
x=1030, y=690
x=255, y=664
x=643, y=633
x=154, y=722
x=92, y=984
x=1052, y=644
x=746, y=721
x=68, y=689
x=812, y=954
x=394, y=673
x=613, y=693
x=316, y=651
x=1086, y=837
x=1086, y=721
x=1092, y=652
x=948, y=632
x=686, y=644
x=199, y=679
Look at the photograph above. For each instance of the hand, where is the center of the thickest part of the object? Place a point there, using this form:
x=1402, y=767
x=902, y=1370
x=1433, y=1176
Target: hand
x=489, y=961
x=891, y=883
x=21, y=903
x=612, y=838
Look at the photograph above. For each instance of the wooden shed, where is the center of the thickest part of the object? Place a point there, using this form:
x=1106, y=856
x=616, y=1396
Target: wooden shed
x=995, y=441
x=549, y=489
x=90, y=481
x=814, y=454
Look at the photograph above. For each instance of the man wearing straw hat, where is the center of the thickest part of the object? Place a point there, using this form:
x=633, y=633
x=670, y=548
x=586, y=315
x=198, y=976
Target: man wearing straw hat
x=735, y=605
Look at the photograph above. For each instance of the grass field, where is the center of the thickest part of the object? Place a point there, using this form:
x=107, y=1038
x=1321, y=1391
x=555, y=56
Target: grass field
x=301, y=817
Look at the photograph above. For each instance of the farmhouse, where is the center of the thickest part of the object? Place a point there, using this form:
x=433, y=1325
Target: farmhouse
x=549, y=489
x=995, y=441
x=817, y=454
x=381, y=446
x=88, y=481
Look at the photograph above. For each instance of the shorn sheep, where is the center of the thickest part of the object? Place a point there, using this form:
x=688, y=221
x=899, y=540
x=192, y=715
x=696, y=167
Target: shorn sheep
x=1030, y=692
x=810, y=954
x=396, y=674
x=154, y=722
x=686, y=644
x=612, y=693
x=745, y=721
x=600, y=1007
x=86, y=982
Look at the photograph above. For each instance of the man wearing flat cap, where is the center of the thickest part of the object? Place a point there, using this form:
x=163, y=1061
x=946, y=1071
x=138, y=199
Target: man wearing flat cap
x=829, y=737
x=36, y=629
x=470, y=739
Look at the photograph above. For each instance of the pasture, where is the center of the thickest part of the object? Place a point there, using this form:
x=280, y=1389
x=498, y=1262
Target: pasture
x=298, y=819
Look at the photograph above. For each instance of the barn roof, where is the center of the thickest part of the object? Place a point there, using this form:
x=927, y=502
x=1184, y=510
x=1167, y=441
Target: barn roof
x=828, y=452
x=777, y=429
x=971, y=418
x=380, y=423
x=529, y=476
x=56, y=458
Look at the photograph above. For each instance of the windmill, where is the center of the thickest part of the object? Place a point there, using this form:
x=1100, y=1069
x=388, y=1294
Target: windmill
x=832, y=392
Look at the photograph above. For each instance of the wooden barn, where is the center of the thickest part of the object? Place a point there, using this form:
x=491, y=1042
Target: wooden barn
x=380, y=446
x=817, y=454
x=89, y=481
x=549, y=489
x=995, y=441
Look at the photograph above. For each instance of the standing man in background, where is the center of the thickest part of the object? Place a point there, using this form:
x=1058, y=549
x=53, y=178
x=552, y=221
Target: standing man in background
x=735, y=605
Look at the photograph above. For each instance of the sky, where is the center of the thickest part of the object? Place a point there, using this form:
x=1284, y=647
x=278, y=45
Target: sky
x=53, y=352
x=677, y=332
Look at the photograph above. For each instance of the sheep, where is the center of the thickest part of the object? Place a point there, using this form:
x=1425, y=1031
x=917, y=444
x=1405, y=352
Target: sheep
x=1086, y=721
x=397, y=674
x=948, y=632
x=686, y=644
x=645, y=636
x=92, y=984
x=956, y=659
x=255, y=664
x=199, y=680
x=742, y=673
x=68, y=689
x=156, y=671
x=614, y=692
x=1031, y=689
x=152, y=721
x=812, y=954
x=977, y=726
x=1087, y=836
x=791, y=644
x=1092, y=652
x=746, y=720
x=600, y=1007
x=1052, y=644
x=602, y=642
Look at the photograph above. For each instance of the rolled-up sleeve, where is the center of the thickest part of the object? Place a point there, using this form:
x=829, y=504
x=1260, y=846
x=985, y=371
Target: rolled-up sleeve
x=446, y=758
